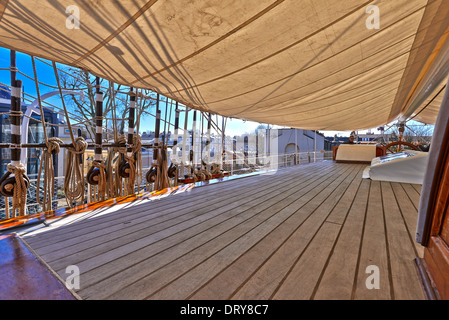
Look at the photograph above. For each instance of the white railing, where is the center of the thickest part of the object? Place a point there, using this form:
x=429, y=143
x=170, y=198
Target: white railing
x=238, y=166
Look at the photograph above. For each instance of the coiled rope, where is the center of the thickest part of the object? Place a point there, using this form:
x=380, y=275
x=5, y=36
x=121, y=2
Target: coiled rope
x=113, y=180
x=74, y=176
x=162, y=179
x=135, y=165
x=101, y=186
x=52, y=146
x=19, y=197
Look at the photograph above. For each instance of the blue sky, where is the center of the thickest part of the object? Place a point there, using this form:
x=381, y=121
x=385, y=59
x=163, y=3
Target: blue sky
x=46, y=75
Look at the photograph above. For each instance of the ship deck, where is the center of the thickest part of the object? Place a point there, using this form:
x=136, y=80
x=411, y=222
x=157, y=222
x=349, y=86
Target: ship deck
x=306, y=232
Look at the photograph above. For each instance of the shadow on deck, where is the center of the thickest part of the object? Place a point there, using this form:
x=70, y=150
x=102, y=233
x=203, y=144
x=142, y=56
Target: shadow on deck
x=317, y=231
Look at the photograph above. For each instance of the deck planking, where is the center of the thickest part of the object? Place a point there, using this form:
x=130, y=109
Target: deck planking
x=306, y=232
x=283, y=218
x=250, y=218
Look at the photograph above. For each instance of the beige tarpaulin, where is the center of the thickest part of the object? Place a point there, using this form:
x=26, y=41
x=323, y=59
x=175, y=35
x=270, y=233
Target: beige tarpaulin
x=312, y=64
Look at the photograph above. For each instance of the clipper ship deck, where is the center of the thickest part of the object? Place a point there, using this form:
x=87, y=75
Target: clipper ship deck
x=307, y=232
x=318, y=231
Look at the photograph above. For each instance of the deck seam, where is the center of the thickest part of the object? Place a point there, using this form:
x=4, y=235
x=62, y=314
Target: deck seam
x=136, y=211
x=315, y=290
x=111, y=216
x=387, y=245
x=244, y=253
x=147, y=258
x=265, y=187
x=408, y=195
x=147, y=297
x=250, y=276
x=52, y=272
x=310, y=241
x=405, y=222
x=263, y=238
x=142, y=217
x=357, y=268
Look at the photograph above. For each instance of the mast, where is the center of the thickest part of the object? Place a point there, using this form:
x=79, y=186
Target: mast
x=98, y=122
x=131, y=123
x=192, y=152
x=173, y=169
x=209, y=126
x=157, y=132
x=16, y=86
x=96, y=176
x=175, y=138
x=14, y=183
x=184, y=141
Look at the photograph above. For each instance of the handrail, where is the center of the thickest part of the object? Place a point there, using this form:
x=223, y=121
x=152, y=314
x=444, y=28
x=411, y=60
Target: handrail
x=237, y=169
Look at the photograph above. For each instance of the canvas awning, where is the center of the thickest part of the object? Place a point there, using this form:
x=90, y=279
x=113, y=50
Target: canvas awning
x=310, y=64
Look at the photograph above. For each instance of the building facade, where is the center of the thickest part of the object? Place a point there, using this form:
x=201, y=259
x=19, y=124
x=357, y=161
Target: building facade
x=35, y=135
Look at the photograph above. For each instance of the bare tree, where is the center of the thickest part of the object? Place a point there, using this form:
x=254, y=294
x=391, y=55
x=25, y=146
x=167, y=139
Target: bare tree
x=414, y=133
x=115, y=98
x=420, y=133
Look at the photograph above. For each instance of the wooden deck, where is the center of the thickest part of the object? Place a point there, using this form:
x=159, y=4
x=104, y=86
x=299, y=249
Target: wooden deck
x=307, y=232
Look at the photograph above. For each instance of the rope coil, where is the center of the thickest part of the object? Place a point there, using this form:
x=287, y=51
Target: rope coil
x=113, y=161
x=97, y=176
x=134, y=168
x=52, y=146
x=74, y=176
x=19, y=188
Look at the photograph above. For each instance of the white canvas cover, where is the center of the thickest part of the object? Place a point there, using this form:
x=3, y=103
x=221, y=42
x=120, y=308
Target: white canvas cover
x=404, y=167
x=356, y=152
x=311, y=64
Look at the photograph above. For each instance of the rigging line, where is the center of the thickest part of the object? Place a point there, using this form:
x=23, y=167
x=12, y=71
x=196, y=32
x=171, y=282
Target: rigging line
x=224, y=137
x=51, y=107
x=39, y=99
x=46, y=162
x=411, y=130
x=149, y=113
x=139, y=110
x=215, y=125
x=169, y=120
x=165, y=122
x=114, y=112
x=61, y=70
x=85, y=122
x=31, y=78
x=63, y=104
x=69, y=74
x=41, y=83
x=201, y=139
x=433, y=99
x=108, y=95
x=81, y=80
